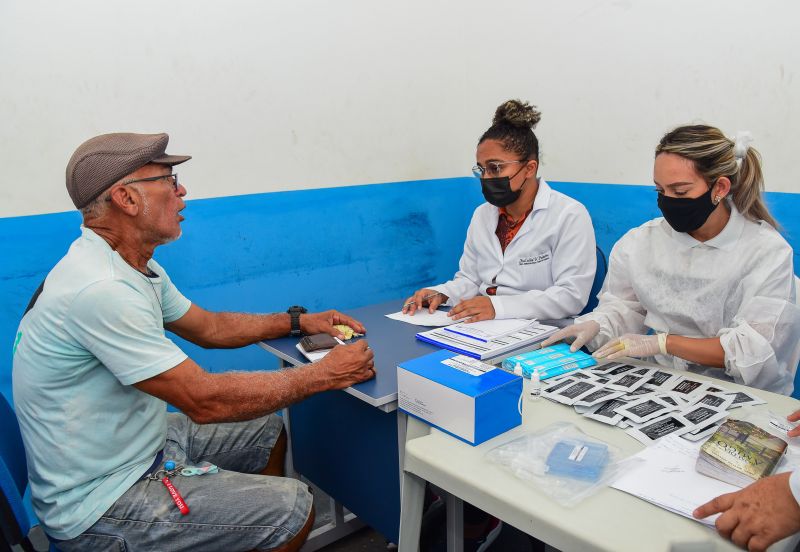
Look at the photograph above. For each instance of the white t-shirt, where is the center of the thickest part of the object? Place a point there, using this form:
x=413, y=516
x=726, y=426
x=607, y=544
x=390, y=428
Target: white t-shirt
x=96, y=329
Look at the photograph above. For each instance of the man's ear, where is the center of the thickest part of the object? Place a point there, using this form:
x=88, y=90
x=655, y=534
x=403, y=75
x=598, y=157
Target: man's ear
x=124, y=199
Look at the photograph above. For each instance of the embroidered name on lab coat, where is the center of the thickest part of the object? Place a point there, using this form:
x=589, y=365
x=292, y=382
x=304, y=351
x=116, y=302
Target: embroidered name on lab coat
x=523, y=261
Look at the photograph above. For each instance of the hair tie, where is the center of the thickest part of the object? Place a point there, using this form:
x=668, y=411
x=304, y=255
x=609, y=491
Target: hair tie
x=741, y=143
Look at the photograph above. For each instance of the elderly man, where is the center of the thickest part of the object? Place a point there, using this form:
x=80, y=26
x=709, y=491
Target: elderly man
x=93, y=371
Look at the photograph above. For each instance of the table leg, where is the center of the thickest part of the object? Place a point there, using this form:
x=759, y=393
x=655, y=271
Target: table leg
x=342, y=523
x=408, y=428
x=412, y=497
x=288, y=463
x=455, y=524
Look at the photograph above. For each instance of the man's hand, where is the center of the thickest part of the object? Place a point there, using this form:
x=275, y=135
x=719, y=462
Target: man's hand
x=346, y=365
x=757, y=516
x=476, y=309
x=793, y=417
x=323, y=322
x=423, y=298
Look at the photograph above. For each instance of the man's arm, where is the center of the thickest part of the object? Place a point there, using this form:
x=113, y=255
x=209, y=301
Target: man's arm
x=236, y=396
x=226, y=330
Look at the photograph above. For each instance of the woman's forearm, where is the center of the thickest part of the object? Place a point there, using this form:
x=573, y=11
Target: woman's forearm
x=707, y=351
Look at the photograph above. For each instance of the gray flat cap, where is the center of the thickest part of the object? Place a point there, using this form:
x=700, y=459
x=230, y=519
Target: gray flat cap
x=104, y=159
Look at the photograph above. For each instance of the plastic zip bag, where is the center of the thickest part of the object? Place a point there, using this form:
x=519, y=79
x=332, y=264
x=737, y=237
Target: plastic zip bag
x=561, y=461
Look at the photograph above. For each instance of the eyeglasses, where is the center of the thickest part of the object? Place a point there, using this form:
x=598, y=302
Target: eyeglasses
x=173, y=178
x=493, y=168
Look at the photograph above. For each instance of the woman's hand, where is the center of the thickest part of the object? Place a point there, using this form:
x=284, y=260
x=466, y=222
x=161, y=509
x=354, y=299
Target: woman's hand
x=580, y=333
x=476, y=309
x=423, y=298
x=633, y=345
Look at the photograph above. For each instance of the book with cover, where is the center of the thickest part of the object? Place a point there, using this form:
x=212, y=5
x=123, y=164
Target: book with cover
x=740, y=453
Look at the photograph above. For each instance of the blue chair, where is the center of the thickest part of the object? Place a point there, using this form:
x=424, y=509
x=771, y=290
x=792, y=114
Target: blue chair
x=599, y=276
x=14, y=523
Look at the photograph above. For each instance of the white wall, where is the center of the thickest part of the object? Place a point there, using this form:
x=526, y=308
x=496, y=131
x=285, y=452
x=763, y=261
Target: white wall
x=288, y=95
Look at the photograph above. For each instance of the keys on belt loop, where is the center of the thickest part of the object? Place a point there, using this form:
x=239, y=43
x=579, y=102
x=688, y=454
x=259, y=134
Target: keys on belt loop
x=163, y=476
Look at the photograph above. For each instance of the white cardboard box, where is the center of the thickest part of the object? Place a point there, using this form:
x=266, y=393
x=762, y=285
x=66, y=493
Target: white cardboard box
x=468, y=399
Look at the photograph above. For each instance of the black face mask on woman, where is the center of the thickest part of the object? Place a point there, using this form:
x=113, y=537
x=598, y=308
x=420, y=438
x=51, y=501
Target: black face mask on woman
x=498, y=192
x=686, y=214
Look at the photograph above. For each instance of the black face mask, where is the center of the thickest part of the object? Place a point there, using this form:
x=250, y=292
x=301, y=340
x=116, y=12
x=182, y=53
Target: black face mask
x=686, y=214
x=498, y=192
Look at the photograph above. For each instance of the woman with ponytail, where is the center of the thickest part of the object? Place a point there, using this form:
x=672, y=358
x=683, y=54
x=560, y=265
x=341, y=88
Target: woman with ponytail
x=530, y=250
x=710, y=286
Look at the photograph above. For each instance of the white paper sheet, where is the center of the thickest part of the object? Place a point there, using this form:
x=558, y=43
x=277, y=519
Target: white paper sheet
x=314, y=356
x=486, y=330
x=423, y=318
x=667, y=478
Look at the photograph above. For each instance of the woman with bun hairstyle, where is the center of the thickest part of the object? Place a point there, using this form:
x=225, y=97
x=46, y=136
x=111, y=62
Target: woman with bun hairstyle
x=710, y=286
x=530, y=250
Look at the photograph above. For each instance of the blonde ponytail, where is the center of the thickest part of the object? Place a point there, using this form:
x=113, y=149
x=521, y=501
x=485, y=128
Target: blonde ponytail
x=714, y=156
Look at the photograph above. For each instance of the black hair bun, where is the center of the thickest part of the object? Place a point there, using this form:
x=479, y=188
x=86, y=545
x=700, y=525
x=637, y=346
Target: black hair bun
x=517, y=113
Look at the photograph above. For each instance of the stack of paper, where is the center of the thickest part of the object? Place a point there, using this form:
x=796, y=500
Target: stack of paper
x=664, y=475
x=478, y=348
x=486, y=330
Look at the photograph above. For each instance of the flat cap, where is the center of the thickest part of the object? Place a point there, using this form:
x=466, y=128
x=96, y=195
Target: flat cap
x=101, y=161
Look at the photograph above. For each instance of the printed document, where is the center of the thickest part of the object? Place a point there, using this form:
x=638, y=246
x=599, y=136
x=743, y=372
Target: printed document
x=486, y=330
x=423, y=318
x=666, y=477
x=487, y=349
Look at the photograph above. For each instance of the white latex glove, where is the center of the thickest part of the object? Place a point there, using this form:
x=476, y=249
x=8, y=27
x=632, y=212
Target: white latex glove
x=582, y=333
x=633, y=345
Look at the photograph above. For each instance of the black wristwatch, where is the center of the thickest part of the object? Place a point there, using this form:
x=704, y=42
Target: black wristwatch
x=295, y=313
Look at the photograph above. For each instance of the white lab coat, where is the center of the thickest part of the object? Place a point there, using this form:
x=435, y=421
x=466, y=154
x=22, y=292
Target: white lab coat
x=738, y=286
x=547, y=269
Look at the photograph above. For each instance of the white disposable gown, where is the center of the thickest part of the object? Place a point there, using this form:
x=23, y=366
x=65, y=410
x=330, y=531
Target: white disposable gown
x=739, y=286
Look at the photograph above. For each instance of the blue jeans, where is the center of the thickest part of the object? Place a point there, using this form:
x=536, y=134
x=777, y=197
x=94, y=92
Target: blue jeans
x=231, y=510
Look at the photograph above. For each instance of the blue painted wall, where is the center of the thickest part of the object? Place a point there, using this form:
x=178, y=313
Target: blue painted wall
x=327, y=248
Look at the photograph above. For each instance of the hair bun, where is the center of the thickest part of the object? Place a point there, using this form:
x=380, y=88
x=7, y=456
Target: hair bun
x=518, y=114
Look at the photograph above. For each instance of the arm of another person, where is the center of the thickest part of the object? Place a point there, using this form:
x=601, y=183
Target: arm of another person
x=234, y=329
x=121, y=328
x=237, y=396
x=759, y=515
x=573, y=265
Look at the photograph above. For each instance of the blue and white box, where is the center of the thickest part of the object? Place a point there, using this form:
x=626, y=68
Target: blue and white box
x=463, y=396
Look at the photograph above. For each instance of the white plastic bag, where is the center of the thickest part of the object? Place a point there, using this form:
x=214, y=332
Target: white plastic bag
x=561, y=461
